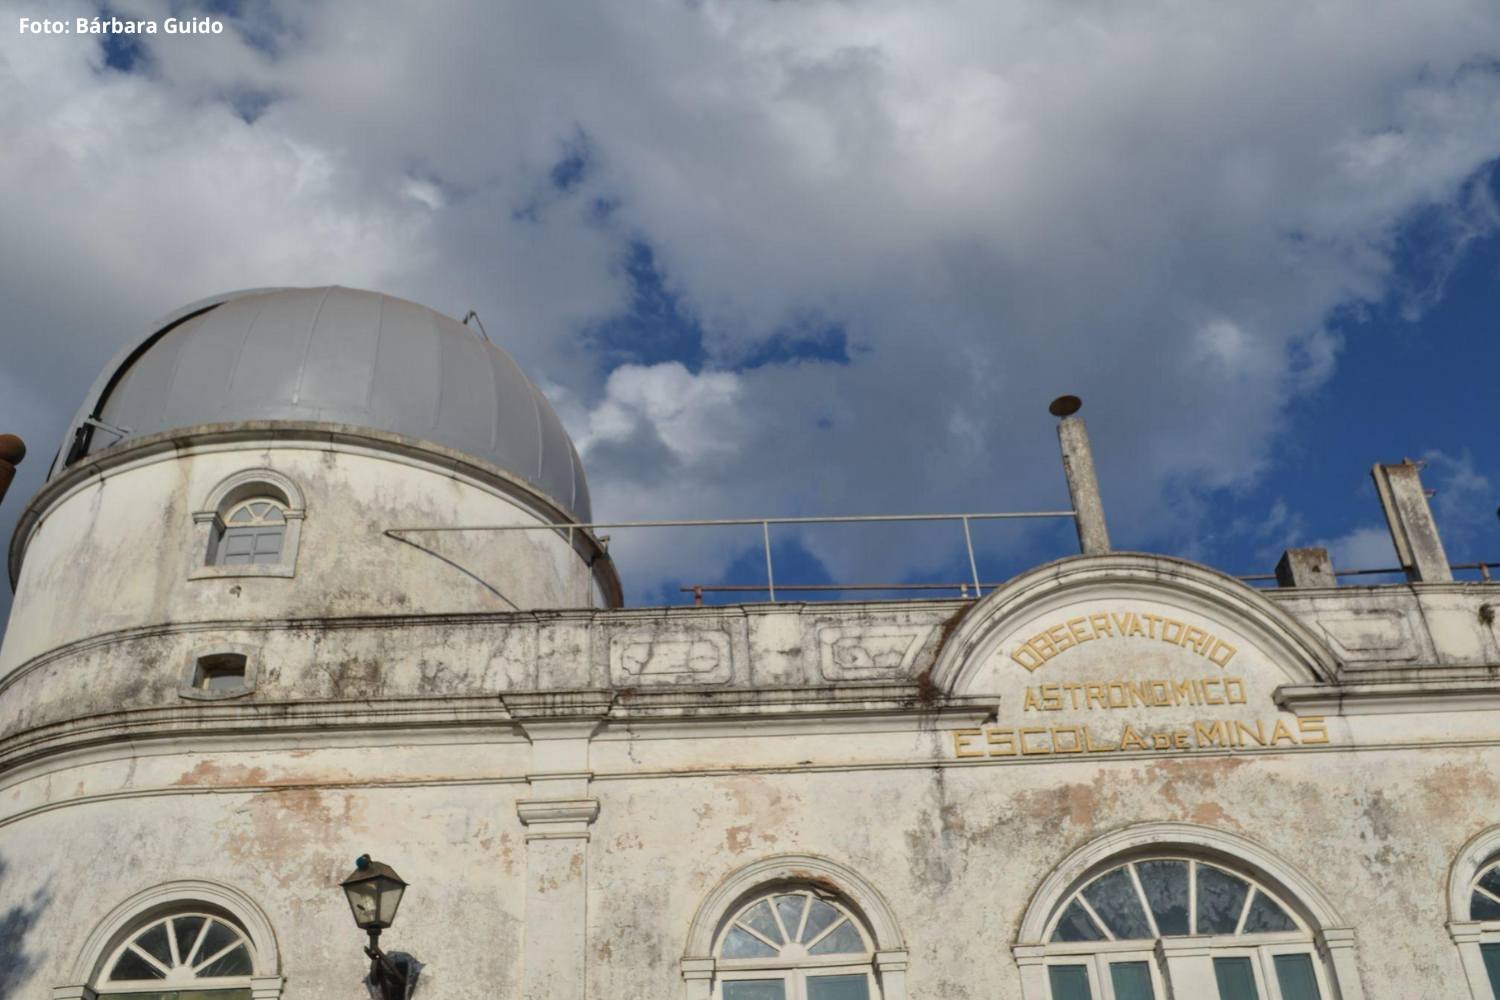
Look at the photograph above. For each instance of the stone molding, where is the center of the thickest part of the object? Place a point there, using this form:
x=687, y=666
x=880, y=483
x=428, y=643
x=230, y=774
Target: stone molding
x=557, y=819
x=1477, y=852
x=268, y=435
x=877, y=913
x=1117, y=845
x=1130, y=575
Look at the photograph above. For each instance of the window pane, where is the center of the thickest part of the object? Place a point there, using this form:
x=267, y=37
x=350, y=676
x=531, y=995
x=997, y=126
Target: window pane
x=234, y=994
x=755, y=989
x=1491, y=880
x=742, y=944
x=1235, y=977
x=838, y=988
x=186, y=930
x=234, y=963
x=790, y=908
x=844, y=940
x=1267, y=916
x=1113, y=898
x=1482, y=907
x=217, y=939
x=1166, y=885
x=819, y=917
x=133, y=966
x=759, y=917
x=1131, y=980
x=241, y=516
x=1491, y=953
x=154, y=942
x=1294, y=973
x=1221, y=897
x=1069, y=982
x=1075, y=925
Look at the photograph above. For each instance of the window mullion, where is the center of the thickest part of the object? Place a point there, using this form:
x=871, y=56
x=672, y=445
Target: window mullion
x=1109, y=934
x=827, y=931
x=1192, y=897
x=216, y=956
x=171, y=923
x=1239, y=925
x=1140, y=892
x=143, y=953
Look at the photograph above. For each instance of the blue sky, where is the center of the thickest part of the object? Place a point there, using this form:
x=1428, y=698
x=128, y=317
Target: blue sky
x=773, y=259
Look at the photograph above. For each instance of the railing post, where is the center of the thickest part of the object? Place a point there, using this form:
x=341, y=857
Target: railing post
x=765, y=532
x=973, y=566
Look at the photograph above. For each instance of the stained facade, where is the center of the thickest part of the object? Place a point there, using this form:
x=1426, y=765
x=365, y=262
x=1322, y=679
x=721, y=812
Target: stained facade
x=293, y=592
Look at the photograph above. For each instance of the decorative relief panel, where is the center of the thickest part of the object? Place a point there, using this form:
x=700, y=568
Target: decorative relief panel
x=849, y=652
x=1369, y=635
x=660, y=656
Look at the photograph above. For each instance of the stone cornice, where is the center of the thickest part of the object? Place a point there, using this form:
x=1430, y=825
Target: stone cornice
x=676, y=712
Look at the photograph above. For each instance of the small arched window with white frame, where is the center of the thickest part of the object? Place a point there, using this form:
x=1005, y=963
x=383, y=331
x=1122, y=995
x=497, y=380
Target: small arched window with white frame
x=200, y=954
x=795, y=943
x=250, y=525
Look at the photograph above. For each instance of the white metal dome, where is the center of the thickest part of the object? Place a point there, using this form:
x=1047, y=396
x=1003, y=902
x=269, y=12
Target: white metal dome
x=334, y=355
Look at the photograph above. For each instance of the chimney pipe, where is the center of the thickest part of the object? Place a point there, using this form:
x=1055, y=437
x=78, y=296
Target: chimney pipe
x=1413, y=531
x=1078, y=466
x=12, y=450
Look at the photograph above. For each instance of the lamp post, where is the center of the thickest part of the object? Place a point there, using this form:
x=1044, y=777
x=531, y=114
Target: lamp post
x=374, y=892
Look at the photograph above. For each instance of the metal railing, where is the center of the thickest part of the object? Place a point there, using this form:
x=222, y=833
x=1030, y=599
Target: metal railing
x=963, y=587
x=1482, y=567
x=765, y=524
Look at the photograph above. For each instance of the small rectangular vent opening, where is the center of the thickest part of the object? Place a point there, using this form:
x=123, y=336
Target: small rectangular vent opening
x=220, y=672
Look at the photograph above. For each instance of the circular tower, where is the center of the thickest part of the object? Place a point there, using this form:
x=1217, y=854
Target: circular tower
x=295, y=544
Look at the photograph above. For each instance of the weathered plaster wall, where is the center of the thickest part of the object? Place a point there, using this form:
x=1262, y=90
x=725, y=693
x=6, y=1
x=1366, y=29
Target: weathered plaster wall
x=117, y=551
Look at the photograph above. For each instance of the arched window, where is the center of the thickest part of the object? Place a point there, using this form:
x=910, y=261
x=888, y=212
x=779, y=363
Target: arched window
x=253, y=534
x=795, y=943
x=1174, y=909
x=1102, y=942
x=250, y=525
x=190, y=953
x=1475, y=908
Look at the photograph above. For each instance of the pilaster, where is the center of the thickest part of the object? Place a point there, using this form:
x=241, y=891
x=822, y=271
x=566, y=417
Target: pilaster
x=1337, y=946
x=557, y=815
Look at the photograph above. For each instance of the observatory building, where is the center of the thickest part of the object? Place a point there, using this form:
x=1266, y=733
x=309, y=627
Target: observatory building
x=314, y=575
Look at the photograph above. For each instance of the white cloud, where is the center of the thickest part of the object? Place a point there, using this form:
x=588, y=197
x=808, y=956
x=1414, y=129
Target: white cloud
x=1367, y=547
x=1153, y=206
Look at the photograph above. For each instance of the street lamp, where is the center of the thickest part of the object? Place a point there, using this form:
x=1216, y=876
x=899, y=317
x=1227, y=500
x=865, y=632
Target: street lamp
x=374, y=891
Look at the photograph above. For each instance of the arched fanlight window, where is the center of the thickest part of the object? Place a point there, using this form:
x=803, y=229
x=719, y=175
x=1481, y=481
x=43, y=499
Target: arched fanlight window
x=1101, y=943
x=254, y=533
x=795, y=943
x=250, y=525
x=195, y=954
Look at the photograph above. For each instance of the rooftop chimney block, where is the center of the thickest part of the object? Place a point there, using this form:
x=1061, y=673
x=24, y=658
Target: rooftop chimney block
x=1305, y=568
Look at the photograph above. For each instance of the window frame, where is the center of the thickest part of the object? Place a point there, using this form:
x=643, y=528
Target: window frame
x=188, y=686
x=794, y=971
x=1260, y=948
x=210, y=525
x=105, y=983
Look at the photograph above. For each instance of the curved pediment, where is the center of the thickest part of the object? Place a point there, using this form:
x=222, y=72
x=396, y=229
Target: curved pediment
x=1130, y=652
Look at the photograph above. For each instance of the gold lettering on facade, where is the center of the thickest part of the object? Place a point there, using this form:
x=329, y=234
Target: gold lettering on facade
x=1200, y=734
x=1054, y=639
x=1123, y=694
